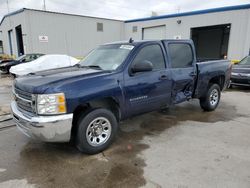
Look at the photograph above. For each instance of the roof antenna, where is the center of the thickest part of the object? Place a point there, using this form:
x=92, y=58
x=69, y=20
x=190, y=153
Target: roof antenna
x=131, y=40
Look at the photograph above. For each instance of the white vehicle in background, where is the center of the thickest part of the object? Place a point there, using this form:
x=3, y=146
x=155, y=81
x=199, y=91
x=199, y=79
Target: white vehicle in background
x=46, y=62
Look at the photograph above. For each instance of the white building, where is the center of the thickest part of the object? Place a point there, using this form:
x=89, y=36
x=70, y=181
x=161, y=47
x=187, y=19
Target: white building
x=36, y=31
x=216, y=32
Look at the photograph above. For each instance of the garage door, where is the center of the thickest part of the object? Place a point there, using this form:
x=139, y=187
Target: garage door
x=158, y=32
x=211, y=42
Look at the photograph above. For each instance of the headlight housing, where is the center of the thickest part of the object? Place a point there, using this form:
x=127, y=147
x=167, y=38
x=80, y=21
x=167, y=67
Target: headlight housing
x=50, y=104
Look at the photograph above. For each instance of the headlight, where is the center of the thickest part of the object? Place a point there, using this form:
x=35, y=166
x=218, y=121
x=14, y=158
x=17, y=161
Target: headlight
x=48, y=104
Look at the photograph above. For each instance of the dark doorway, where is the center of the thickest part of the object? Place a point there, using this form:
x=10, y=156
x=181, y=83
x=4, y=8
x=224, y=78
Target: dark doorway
x=211, y=42
x=1, y=47
x=19, y=40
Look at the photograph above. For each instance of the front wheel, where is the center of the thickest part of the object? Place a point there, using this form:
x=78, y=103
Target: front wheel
x=212, y=98
x=96, y=131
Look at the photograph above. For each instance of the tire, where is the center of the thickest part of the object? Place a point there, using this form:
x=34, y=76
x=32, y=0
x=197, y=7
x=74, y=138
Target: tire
x=212, y=98
x=96, y=131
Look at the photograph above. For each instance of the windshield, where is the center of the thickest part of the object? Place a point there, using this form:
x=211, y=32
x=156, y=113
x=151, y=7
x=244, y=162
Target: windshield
x=107, y=57
x=245, y=61
x=20, y=57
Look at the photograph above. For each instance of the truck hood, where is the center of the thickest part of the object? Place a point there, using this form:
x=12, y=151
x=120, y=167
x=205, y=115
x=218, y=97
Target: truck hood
x=39, y=82
x=241, y=69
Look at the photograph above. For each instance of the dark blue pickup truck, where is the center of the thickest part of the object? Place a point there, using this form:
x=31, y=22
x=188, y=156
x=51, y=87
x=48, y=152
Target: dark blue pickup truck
x=84, y=103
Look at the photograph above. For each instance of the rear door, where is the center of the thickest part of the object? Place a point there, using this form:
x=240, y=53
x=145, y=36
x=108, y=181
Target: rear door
x=183, y=69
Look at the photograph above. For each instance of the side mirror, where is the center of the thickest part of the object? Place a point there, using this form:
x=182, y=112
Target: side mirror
x=144, y=66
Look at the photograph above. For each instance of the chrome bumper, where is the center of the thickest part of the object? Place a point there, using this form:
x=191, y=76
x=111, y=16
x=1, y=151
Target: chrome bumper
x=45, y=128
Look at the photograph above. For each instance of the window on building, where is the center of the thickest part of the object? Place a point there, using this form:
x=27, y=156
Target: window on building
x=134, y=29
x=152, y=53
x=181, y=55
x=99, y=26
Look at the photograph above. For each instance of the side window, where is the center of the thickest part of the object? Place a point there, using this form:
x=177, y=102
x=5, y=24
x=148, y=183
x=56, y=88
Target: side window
x=100, y=27
x=152, y=53
x=181, y=55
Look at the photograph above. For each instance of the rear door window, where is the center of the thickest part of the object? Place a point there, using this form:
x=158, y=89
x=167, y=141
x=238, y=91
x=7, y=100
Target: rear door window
x=181, y=55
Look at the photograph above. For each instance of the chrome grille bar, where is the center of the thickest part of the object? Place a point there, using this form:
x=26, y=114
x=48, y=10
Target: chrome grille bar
x=24, y=101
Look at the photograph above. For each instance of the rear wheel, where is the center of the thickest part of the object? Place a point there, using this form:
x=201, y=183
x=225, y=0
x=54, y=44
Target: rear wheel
x=212, y=98
x=96, y=131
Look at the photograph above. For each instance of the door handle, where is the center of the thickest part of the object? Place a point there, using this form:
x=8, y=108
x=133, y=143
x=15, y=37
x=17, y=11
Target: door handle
x=163, y=77
x=192, y=74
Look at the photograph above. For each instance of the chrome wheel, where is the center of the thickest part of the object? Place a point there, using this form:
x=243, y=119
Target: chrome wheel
x=98, y=131
x=214, y=97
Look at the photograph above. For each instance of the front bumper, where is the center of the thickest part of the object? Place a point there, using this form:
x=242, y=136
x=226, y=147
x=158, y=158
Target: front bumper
x=45, y=128
x=240, y=81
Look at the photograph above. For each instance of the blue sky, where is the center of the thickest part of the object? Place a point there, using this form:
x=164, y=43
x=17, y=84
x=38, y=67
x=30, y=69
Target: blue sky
x=118, y=9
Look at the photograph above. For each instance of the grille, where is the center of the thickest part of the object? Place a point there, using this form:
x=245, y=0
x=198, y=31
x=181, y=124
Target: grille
x=243, y=81
x=24, y=100
x=26, y=106
x=23, y=94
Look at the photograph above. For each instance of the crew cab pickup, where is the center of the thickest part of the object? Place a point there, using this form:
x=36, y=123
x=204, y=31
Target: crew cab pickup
x=84, y=103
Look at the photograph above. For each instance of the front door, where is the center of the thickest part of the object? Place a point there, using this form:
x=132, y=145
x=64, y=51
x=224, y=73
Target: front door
x=147, y=91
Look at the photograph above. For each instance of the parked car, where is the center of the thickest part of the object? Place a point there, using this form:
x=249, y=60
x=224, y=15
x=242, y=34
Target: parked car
x=43, y=63
x=84, y=103
x=5, y=67
x=3, y=61
x=241, y=73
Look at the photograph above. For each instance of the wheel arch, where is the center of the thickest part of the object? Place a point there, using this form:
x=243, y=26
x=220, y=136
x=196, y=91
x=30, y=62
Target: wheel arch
x=109, y=103
x=219, y=79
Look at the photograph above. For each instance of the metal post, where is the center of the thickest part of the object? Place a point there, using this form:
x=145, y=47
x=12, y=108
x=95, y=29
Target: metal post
x=8, y=8
x=44, y=5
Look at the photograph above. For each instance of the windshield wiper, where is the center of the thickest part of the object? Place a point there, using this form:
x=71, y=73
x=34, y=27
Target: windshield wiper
x=90, y=66
x=95, y=67
x=77, y=65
